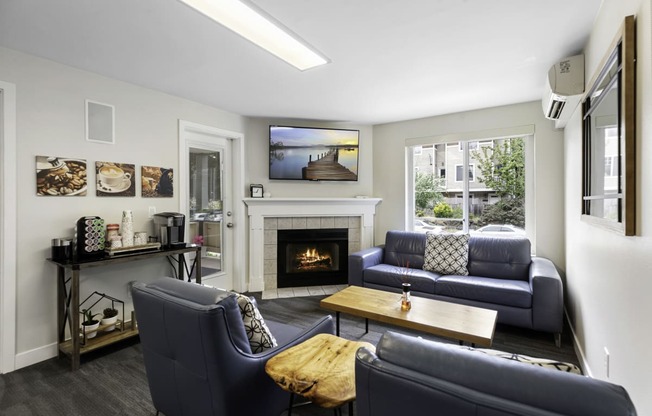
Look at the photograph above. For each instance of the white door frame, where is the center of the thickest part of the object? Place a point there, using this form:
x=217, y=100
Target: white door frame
x=8, y=216
x=237, y=177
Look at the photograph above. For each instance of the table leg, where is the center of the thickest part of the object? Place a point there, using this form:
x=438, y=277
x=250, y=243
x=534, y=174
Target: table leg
x=366, y=325
x=291, y=404
x=351, y=408
x=337, y=324
x=198, y=266
x=74, y=314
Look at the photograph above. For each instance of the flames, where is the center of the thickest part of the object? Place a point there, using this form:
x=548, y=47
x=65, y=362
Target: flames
x=313, y=259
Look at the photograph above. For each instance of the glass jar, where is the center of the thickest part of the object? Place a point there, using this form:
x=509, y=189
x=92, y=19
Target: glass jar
x=406, y=302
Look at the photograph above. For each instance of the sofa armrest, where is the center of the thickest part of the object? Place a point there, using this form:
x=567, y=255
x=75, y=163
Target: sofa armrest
x=363, y=259
x=547, y=296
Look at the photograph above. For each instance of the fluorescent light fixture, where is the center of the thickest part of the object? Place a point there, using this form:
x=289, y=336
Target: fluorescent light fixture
x=249, y=23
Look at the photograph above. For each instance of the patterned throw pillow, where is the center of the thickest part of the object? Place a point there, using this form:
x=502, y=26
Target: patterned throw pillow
x=447, y=253
x=260, y=337
x=541, y=362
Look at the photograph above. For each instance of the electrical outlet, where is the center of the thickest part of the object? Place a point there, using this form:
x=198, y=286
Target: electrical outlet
x=606, y=361
x=152, y=211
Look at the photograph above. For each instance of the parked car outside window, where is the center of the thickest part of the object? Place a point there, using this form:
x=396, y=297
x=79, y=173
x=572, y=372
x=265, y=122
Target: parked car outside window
x=500, y=230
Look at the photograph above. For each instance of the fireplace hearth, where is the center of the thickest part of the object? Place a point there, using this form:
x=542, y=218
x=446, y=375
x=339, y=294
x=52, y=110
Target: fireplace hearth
x=312, y=257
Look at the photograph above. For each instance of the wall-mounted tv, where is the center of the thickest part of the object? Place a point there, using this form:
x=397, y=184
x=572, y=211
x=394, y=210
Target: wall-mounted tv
x=313, y=154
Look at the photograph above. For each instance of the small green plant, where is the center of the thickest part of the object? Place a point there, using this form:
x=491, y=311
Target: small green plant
x=443, y=210
x=109, y=313
x=89, y=318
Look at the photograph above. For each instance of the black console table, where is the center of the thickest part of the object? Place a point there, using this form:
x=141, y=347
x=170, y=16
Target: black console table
x=68, y=298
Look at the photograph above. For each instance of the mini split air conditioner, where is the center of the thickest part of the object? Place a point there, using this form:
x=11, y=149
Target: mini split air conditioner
x=563, y=89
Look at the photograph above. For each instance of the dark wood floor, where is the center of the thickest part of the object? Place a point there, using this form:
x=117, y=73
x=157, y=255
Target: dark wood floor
x=112, y=381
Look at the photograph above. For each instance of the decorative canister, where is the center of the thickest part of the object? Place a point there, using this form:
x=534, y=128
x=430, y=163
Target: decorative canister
x=112, y=230
x=61, y=249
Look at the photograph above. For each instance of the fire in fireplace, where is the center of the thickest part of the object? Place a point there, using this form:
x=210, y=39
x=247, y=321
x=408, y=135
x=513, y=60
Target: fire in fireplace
x=312, y=257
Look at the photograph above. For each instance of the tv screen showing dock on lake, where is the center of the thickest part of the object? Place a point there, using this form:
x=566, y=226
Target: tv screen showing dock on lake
x=313, y=154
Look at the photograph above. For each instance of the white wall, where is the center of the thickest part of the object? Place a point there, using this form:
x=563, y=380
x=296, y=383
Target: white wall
x=257, y=151
x=389, y=167
x=50, y=121
x=608, y=275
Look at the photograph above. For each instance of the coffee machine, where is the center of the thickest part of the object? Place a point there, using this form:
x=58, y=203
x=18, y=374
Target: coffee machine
x=169, y=228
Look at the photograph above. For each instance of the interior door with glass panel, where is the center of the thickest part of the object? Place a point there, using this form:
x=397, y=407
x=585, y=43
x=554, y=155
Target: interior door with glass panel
x=208, y=207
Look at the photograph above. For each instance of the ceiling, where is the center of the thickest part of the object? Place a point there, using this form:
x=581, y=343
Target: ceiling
x=390, y=60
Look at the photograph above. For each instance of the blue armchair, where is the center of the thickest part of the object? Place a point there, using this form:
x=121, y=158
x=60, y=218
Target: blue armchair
x=197, y=354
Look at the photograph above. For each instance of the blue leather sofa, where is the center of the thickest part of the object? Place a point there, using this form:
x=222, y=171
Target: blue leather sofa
x=526, y=291
x=412, y=376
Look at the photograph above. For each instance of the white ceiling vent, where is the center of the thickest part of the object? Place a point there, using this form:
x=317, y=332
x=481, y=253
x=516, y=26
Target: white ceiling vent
x=563, y=89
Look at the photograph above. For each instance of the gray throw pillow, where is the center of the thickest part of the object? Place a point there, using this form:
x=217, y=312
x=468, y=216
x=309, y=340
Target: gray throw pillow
x=447, y=254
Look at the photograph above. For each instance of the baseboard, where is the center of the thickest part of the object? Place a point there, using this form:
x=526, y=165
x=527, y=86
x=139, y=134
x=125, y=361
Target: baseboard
x=578, y=348
x=27, y=358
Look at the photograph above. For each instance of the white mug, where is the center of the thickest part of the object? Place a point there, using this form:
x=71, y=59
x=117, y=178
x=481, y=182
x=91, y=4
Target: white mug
x=113, y=175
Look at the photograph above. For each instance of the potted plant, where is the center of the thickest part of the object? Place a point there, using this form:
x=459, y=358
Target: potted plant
x=109, y=317
x=90, y=324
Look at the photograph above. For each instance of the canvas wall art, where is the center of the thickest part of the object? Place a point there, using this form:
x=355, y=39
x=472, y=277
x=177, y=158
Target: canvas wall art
x=60, y=176
x=156, y=182
x=115, y=179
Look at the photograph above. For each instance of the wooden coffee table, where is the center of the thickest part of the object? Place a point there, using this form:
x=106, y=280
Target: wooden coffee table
x=321, y=369
x=446, y=319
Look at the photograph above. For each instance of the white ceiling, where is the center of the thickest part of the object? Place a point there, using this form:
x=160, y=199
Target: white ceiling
x=391, y=60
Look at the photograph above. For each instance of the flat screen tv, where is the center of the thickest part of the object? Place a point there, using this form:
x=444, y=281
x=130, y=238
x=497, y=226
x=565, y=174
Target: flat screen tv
x=313, y=154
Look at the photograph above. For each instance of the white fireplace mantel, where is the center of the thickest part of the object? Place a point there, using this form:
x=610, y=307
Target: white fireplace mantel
x=260, y=208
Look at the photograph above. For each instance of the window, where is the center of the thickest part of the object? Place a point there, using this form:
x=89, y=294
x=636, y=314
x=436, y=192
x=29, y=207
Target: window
x=608, y=129
x=452, y=203
x=472, y=145
x=459, y=173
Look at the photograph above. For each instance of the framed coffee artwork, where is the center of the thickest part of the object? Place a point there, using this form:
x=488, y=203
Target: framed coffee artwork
x=156, y=182
x=60, y=176
x=115, y=179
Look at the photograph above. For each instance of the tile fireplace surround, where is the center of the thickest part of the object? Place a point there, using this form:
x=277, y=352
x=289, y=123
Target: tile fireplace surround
x=267, y=215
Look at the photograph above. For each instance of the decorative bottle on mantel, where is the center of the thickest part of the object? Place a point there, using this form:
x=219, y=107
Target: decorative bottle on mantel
x=406, y=303
x=127, y=229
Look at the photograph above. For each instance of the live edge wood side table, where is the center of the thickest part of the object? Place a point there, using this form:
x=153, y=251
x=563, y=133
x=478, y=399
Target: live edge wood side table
x=321, y=369
x=68, y=299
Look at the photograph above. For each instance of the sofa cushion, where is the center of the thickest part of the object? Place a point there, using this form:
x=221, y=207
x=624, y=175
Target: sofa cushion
x=394, y=276
x=260, y=337
x=486, y=289
x=403, y=248
x=500, y=257
x=446, y=253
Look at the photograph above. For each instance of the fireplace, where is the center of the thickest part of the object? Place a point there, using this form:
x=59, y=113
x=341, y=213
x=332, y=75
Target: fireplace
x=312, y=257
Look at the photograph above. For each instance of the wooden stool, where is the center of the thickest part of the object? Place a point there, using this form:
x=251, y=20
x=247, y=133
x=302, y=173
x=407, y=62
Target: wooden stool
x=321, y=369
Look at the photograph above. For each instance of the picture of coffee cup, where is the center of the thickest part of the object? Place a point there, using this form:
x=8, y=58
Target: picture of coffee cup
x=115, y=179
x=113, y=176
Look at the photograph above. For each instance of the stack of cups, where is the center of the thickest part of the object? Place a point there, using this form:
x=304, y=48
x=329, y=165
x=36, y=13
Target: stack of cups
x=127, y=229
x=140, y=238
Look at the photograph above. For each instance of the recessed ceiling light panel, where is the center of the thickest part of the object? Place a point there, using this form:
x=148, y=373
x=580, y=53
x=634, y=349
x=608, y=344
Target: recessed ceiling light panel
x=251, y=24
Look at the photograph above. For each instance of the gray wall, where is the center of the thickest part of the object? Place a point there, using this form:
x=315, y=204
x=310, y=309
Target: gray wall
x=608, y=275
x=50, y=121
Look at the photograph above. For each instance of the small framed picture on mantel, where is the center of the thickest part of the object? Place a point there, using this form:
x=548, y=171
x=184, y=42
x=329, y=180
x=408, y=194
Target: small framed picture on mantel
x=256, y=190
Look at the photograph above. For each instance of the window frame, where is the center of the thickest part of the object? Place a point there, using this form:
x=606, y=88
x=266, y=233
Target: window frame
x=624, y=45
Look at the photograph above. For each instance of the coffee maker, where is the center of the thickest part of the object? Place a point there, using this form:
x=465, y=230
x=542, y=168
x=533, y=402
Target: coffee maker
x=169, y=228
